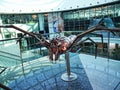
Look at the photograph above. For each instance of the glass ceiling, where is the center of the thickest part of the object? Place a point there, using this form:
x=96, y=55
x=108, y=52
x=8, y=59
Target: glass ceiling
x=29, y=6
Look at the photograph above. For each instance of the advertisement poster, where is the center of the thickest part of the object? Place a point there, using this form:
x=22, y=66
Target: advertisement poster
x=56, y=23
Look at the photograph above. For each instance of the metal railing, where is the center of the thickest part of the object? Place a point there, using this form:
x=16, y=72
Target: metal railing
x=117, y=86
x=7, y=59
x=9, y=55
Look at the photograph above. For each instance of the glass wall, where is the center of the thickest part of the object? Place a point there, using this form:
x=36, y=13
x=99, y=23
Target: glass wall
x=74, y=20
x=19, y=18
x=81, y=19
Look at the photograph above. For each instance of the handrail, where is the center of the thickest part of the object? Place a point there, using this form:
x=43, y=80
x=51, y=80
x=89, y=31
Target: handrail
x=7, y=52
x=9, y=32
x=8, y=39
x=116, y=86
x=10, y=55
x=4, y=68
x=4, y=87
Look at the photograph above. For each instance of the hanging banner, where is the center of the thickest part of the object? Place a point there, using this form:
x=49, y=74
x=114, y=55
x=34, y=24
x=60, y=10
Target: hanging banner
x=56, y=23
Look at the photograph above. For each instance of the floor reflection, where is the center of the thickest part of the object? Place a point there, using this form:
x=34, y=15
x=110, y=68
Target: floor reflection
x=49, y=78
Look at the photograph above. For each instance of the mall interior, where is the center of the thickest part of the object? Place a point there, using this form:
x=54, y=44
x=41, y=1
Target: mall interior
x=59, y=45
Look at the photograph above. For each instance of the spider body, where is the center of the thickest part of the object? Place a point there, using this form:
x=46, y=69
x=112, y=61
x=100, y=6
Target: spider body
x=60, y=45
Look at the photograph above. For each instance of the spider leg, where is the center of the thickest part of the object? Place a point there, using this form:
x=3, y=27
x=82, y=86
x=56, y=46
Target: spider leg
x=101, y=36
x=28, y=33
x=83, y=41
x=20, y=38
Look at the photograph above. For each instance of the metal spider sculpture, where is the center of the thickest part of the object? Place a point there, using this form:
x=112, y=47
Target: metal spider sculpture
x=61, y=45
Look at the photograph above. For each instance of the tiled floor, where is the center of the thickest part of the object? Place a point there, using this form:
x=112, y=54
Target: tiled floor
x=103, y=73
x=41, y=74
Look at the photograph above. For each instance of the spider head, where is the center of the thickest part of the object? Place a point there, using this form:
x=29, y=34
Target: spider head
x=54, y=52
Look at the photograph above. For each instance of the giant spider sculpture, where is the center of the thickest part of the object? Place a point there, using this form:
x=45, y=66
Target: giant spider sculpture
x=61, y=45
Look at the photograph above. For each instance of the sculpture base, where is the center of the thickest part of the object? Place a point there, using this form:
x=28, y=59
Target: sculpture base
x=68, y=78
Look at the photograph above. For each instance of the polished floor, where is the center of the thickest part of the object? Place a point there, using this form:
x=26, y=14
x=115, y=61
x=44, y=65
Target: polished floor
x=41, y=74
